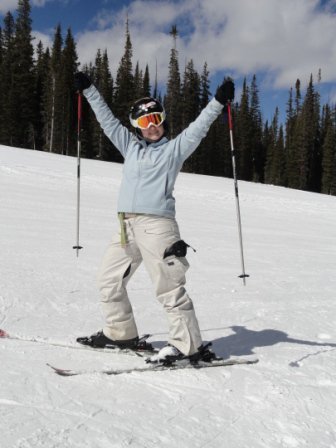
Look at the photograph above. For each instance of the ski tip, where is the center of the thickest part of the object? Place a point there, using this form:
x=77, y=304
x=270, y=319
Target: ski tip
x=61, y=372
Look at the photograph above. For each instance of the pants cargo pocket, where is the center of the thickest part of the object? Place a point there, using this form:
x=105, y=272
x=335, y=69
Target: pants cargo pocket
x=170, y=283
x=175, y=269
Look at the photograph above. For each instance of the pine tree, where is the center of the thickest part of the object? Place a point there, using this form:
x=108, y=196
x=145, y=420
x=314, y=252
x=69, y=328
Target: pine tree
x=333, y=182
x=298, y=96
x=172, y=101
x=1, y=46
x=146, y=87
x=243, y=136
x=124, y=86
x=106, y=80
x=55, y=95
x=96, y=131
x=190, y=94
x=41, y=78
x=108, y=151
x=69, y=104
x=155, y=90
x=190, y=101
x=291, y=118
x=208, y=145
x=101, y=145
x=308, y=141
x=97, y=70
x=205, y=87
x=294, y=138
x=1, y=85
x=22, y=71
x=267, y=139
x=278, y=160
x=298, y=143
x=8, y=121
x=315, y=162
x=88, y=139
x=142, y=86
x=329, y=153
x=272, y=138
x=43, y=74
x=138, y=82
x=218, y=145
x=256, y=146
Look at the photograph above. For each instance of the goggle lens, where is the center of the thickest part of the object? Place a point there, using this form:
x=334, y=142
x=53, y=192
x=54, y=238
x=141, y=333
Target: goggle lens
x=155, y=119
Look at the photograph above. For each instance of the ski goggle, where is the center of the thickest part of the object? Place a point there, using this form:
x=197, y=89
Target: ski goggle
x=145, y=121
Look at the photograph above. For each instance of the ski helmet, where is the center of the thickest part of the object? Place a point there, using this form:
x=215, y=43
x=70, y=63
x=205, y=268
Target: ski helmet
x=146, y=107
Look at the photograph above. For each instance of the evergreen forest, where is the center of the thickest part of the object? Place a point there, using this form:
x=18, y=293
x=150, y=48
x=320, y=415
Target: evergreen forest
x=38, y=110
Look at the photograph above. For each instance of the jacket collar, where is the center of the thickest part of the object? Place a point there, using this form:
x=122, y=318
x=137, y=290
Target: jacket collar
x=154, y=145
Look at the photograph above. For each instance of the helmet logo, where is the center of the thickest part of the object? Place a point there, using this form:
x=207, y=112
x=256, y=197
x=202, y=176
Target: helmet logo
x=147, y=105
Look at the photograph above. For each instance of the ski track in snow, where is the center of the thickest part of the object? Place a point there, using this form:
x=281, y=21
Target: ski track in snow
x=285, y=315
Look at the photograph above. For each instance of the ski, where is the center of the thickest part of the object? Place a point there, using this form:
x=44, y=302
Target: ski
x=111, y=349
x=182, y=364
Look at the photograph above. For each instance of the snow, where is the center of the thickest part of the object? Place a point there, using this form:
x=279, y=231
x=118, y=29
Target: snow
x=285, y=315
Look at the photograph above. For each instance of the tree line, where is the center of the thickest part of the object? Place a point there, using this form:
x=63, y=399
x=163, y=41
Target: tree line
x=38, y=110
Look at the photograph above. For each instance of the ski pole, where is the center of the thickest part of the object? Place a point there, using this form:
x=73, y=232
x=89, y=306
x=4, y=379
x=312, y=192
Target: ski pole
x=233, y=157
x=79, y=125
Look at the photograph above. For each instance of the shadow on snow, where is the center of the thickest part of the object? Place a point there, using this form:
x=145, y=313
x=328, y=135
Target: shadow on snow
x=243, y=342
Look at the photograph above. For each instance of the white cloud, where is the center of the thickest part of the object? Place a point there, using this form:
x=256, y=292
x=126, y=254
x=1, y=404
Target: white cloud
x=151, y=44
x=44, y=38
x=290, y=38
x=287, y=39
x=7, y=5
x=284, y=40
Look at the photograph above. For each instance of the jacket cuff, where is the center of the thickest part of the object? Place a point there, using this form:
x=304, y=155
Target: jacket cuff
x=219, y=106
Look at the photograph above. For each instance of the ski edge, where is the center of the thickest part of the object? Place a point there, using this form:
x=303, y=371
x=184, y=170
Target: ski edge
x=154, y=367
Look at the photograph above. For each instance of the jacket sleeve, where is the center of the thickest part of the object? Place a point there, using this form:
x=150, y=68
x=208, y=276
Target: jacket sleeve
x=189, y=139
x=119, y=135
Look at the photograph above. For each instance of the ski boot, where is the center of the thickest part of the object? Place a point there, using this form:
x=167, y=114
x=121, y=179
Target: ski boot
x=99, y=340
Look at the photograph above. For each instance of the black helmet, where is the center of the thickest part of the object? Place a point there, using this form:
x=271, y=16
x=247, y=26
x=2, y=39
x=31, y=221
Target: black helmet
x=145, y=106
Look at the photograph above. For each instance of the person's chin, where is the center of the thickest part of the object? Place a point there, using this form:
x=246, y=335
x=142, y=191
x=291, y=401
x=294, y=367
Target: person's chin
x=153, y=139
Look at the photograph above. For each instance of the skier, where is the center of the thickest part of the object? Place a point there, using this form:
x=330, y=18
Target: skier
x=148, y=229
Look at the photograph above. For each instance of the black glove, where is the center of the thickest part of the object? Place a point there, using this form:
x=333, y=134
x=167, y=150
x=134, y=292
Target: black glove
x=225, y=92
x=82, y=81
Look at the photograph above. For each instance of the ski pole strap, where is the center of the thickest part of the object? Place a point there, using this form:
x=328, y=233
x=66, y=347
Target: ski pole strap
x=123, y=235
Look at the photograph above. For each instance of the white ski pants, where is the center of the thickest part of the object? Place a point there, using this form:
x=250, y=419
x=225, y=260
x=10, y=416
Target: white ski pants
x=148, y=237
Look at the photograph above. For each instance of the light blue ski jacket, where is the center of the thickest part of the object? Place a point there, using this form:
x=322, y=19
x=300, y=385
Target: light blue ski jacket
x=150, y=169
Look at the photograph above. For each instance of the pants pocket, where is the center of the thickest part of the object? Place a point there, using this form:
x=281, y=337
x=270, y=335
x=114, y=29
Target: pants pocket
x=176, y=268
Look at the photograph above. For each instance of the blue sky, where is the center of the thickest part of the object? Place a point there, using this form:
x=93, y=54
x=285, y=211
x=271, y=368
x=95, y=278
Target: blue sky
x=279, y=41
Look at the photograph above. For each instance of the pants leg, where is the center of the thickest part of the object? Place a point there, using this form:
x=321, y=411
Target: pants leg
x=118, y=266
x=153, y=236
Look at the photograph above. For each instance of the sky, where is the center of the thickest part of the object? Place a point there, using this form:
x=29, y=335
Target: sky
x=279, y=41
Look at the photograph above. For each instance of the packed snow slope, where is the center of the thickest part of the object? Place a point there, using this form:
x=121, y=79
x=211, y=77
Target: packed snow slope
x=285, y=315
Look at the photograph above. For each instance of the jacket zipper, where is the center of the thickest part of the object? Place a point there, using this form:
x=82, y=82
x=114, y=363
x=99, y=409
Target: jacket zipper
x=139, y=176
